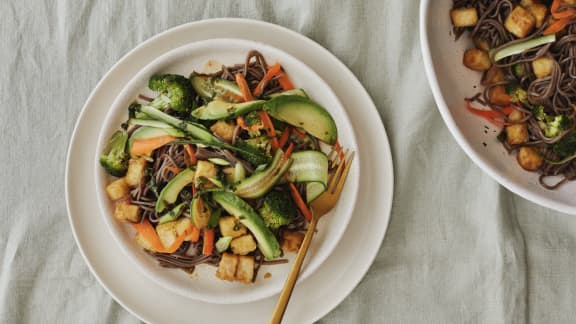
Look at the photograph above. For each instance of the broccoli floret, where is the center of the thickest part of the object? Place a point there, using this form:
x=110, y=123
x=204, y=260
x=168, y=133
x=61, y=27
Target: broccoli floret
x=261, y=142
x=251, y=154
x=114, y=158
x=552, y=126
x=253, y=123
x=175, y=92
x=517, y=94
x=278, y=209
x=566, y=146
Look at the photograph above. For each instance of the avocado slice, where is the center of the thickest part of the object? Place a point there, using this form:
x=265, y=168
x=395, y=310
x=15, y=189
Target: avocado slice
x=219, y=109
x=150, y=132
x=292, y=92
x=170, y=192
x=304, y=113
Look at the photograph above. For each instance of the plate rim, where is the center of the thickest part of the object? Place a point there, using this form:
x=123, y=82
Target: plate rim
x=388, y=182
x=442, y=107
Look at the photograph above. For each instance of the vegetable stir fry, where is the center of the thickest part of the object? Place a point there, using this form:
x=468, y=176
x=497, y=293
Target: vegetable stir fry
x=220, y=169
x=526, y=51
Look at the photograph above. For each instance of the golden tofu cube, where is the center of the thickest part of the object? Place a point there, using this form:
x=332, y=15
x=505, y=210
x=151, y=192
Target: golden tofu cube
x=227, y=267
x=516, y=115
x=183, y=224
x=464, y=17
x=498, y=96
x=167, y=233
x=118, y=189
x=517, y=134
x=291, y=241
x=230, y=226
x=205, y=170
x=143, y=242
x=224, y=129
x=125, y=211
x=526, y=3
x=135, y=173
x=476, y=59
x=520, y=22
x=481, y=44
x=539, y=11
x=529, y=159
x=243, y=245
x=493, y=75
x=543, y=66
x=245, y=270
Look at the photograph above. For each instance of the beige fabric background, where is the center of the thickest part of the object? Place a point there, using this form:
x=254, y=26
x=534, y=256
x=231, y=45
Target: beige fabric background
x=459, y=249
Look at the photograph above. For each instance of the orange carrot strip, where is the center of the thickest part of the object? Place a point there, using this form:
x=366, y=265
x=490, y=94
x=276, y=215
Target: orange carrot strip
x=492, y=116
x=300, y=202
x=556, y=26
x=174, y=169
x=298, y=133
x=208, y=244
x=241, y=122
x=190, y=151
x=269, y=126
x=244, y=88
x=338, y=149
x=195, y=233
x=285, y=82
x=179, y=240
x=149, y=233
x=273, y=71
x=147, y=145
x=284, y=137
x=567, y=13
x=289, y=151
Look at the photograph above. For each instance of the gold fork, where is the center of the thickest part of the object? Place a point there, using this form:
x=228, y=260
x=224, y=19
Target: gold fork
x=320, y=206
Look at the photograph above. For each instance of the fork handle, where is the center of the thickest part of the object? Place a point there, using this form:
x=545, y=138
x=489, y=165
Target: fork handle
x=293, y=276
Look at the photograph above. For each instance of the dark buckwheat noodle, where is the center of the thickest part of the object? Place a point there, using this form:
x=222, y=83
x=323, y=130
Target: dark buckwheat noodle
x=159, y=173
x=556, y=92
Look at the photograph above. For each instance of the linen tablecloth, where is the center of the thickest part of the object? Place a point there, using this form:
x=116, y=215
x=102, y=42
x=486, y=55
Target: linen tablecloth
x=459, y=249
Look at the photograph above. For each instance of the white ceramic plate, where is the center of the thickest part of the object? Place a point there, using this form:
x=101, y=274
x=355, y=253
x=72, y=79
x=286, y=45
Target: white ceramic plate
x=451, y=82
x=312, y=298
x=203, y=285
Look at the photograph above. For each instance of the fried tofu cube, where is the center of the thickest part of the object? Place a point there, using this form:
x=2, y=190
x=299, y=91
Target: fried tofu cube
x=224, y=129
x=205, y=170
x=183, y=224
x=529, y=159
x=493, y=75
x=227, y=267
x=243, y=245
x=464, y=17
x=498, y=96
x=118, y=189
x=230, y=226
x=517, y=134
x=476, y=59
x=135, y=173
x=516, y=115
x=245, y=270
x=125, y=211
x=481, y=44
x=543, y=66
x=143, y=242
x=291, y=241
x=526, y=3
x=520, y=22
x=539, y=11
x=167, y=233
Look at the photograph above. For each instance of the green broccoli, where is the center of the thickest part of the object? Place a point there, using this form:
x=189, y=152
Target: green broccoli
x=254, y=123
x=566, y=146
x=114, y=158
x=175, y=92
x=261, y=142
x=251, y=154
x=552, y=126
x=517, y=94
x=278, y=209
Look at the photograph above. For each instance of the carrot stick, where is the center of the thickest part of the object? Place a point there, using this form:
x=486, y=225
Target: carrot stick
x=492, y=116
x=556, y=26
x=174, y=169
x=289, y=151
x=285, y=82
x=147, y=145
x=273, y=71
x=208, y=245
x=338, y=149
x=190, y=151
x=174, y=246
x=149, y=233
x=244, y=88
x=284, y=137
x=298, y=133
x=566, y=13
x=195, y=234
x=300, y=202
x=269, y=126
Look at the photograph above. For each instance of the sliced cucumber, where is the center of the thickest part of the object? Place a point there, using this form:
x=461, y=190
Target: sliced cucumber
x=258, y=184
x=219, y=161
x=310, y=167
x=223, y=243
x=219, y=109
x=304, y=113
x=170, y=192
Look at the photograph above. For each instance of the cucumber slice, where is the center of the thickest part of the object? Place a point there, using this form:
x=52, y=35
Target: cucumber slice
x=223, y=243
x=310, y=167
x=258, y=184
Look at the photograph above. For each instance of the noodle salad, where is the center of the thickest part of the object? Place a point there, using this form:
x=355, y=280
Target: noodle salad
x=526, y=51
x=221, y=168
